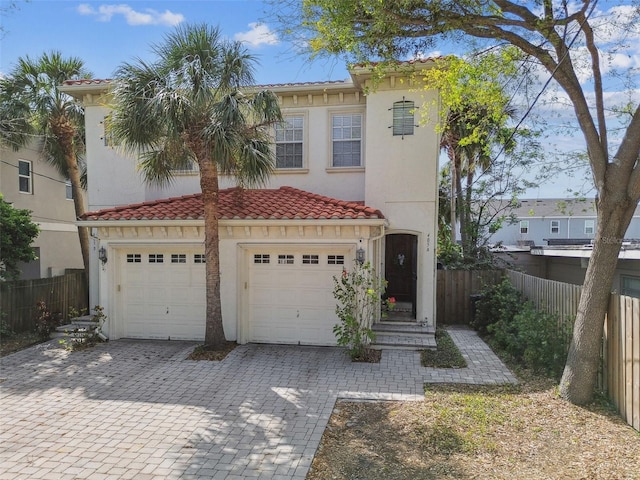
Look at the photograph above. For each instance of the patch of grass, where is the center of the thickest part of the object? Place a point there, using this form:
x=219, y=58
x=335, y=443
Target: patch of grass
x=18, y=341
x=446, y=355
x=204, y=352
x=477, y=431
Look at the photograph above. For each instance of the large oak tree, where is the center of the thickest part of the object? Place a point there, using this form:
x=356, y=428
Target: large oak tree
x=564, y=38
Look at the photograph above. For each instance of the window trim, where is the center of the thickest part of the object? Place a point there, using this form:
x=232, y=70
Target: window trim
x=304, y=141
x=589, y=224
x=344, y=113
x=524, y=225
x=403, y=126
x=557, y=227
x=29, y=177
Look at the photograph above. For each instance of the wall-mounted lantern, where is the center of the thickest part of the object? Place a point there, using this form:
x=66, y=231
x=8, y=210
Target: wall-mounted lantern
x=360, y=255
x=102, y=255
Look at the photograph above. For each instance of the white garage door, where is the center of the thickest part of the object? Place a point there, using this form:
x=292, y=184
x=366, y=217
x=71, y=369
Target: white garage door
x=291, y=295
x=163, y=293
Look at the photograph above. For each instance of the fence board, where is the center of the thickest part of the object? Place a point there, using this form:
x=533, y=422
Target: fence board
x=18, y=299
x=453, y=293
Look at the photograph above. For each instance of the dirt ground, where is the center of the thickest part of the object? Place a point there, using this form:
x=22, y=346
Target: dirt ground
x=470, y=432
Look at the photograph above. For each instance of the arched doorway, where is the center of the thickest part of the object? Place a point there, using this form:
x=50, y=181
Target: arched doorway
x=401, y=272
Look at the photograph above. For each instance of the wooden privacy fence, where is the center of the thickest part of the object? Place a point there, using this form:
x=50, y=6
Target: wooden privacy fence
x=620, y=375
x=621, y=355
x=453, y=293
x=18, y=299
x=548, y=295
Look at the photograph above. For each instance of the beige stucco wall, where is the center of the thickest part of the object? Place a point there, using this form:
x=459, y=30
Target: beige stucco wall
x=54, y=214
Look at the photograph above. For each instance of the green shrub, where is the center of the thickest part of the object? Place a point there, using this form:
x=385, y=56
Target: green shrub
x=358, y=294
x=533, y=338
x=46, y=321
x=499, y=302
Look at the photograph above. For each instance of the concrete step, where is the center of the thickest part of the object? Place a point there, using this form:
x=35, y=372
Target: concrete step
x=404, y=342
x=403, y=328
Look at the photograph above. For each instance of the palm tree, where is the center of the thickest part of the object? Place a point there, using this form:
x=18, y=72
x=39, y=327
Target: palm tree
x=32, y=106
x=468, y=137
x=193, y=105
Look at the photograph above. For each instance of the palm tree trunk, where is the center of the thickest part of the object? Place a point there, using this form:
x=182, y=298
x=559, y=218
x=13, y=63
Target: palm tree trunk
x=65, y=132
x=214, y=331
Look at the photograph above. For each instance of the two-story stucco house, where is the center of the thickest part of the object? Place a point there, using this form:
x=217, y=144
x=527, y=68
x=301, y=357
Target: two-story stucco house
x=29, y=182
x=356, y=174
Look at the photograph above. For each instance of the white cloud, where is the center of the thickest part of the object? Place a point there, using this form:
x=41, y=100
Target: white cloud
x=105, y=13
x=258, y=34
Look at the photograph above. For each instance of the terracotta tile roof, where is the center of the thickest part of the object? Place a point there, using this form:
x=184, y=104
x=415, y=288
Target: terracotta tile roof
x=306, y=84
x=88, y=81
x=236, y=204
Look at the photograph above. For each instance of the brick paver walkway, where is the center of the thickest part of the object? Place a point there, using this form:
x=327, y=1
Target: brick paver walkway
x=139, y=410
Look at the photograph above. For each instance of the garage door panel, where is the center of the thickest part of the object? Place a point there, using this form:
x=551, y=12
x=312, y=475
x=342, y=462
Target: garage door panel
x=293, y=303
x=162, y=300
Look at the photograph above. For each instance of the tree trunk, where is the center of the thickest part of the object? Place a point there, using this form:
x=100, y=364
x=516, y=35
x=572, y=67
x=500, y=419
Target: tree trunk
x=581, y=370
x=214, y=330
x=65, y=132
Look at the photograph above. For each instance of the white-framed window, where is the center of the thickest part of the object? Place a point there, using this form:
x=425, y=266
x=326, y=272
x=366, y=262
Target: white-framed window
x=335, y=259
x=285, y=259
x=310, y=259
x=25, y=176
x=403, y=118
x=199, y=258
x=555, y=226
x=134, y=258
x=261, y=258
x=290, y=142
x=107, y=135
x=589, y=227
x=156, y=258
x=346, y=140
x=524, y=227
x=630, y=286
x=68, y=190
x=178, y=258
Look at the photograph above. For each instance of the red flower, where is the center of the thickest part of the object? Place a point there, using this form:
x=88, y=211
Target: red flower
x=392, y=300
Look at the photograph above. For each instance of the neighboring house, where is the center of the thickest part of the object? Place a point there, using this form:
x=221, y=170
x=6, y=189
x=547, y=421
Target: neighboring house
x=355, y=175
x=548, y=221
x=29, y=182
x=553, y=238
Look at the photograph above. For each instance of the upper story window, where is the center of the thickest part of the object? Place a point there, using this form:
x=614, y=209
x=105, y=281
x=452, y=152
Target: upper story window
x=107, y=135
x=346, y=136
x=25, y=176
x=403, y=118
x=188, y=167
x=289, y=142
x=524, y=227
x=555, y=226
x=589, y=227
x=68, y=190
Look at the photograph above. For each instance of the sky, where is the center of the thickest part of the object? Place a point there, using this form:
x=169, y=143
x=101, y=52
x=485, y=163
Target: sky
x=107, y=33
x=104, y=34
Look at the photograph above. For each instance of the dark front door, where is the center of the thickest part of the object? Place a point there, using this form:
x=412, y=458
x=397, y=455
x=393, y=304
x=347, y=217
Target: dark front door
x=400, y=268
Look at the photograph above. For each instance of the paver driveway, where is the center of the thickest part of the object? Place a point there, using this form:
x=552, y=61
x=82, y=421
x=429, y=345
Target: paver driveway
x=138, y=409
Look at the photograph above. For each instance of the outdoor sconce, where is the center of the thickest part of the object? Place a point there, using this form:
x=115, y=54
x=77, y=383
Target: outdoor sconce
x=102, y=255
x=360, y=255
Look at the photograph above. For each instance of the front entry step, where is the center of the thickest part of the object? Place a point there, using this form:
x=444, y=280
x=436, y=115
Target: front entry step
x=403, y=336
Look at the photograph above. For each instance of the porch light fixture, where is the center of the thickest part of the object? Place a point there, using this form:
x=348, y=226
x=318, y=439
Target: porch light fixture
x=360, y=255
x=102, y=255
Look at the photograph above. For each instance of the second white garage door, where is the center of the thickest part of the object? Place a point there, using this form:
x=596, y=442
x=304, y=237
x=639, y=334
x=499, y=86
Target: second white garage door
x=291, y=295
